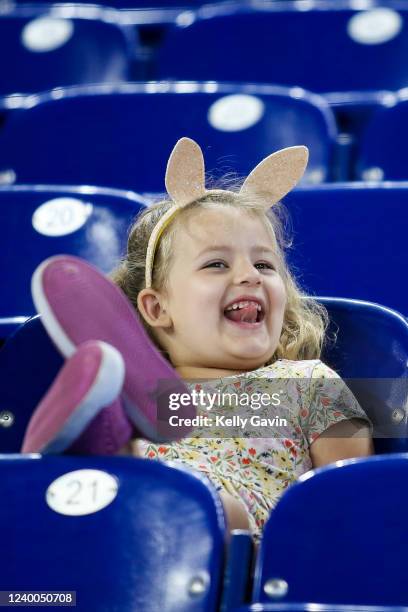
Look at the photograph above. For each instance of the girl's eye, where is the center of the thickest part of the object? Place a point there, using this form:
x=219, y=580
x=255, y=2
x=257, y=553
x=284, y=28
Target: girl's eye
x=214, y=263
x=264, y=265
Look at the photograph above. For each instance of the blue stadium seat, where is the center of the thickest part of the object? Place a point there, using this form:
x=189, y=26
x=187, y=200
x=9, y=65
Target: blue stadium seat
x=350, y=240
x=322, y=46
x=8, y=325
x=238, y=571
x=122, y=136
x=336, y=537
x=43, y=49
x=367, y=345
x=382, y=150
x=28, y=365
x=40, y=221
x=132, y=534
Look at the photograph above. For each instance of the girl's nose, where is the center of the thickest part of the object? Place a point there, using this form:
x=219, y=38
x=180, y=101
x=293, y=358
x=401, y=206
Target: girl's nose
x=247, y=273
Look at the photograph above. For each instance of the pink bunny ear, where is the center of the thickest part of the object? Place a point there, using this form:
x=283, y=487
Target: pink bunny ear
x=185, y=178
x=277, y=174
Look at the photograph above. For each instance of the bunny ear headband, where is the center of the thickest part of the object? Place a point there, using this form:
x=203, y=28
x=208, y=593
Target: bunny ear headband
x=272, y=178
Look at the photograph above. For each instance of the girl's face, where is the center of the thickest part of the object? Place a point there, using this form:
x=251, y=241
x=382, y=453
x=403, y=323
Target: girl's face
x=223, y=257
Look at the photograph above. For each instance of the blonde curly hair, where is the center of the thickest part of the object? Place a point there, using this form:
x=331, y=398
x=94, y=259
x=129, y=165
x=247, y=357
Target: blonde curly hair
x=305, y=320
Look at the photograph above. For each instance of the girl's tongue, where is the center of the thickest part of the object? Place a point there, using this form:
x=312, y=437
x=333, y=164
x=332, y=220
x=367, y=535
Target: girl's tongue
x=248, y=314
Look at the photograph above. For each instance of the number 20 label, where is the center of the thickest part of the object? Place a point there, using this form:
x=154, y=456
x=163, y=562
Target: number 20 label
x=61, y=216
x=81, y=492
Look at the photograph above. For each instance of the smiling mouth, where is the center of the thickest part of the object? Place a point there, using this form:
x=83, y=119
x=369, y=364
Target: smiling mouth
x=250, y=315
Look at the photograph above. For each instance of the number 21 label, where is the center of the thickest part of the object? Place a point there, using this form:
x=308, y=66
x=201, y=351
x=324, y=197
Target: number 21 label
x=81, y=492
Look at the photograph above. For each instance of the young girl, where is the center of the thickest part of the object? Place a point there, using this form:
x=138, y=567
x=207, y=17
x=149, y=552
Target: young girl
x=207, y=275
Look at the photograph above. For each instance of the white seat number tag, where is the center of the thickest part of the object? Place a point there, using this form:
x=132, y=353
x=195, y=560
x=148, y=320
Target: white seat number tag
x=81, y=492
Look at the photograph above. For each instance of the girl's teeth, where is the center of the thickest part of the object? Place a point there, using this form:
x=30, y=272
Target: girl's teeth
x=242, y=305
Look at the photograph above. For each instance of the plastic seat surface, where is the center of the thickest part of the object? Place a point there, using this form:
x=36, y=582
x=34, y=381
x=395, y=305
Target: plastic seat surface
x=29, y=362
x=8, y=325
x=161, y=535
x=382, y=152
x=40, y=221
x=323, y=48
x=111, y=136
x=59, y=48
x=371, y=354
x=336, y=536
x=350, y=240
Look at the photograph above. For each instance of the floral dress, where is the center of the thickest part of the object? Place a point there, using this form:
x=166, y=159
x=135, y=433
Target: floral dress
x=257, y=463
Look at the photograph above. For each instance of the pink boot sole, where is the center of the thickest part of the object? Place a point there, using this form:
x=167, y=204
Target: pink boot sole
x=78, y=303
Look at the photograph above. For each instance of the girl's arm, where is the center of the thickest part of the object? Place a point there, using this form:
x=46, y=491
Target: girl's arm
x=344, y=440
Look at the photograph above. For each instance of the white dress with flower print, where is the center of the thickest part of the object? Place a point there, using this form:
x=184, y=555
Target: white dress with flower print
x=257, y=465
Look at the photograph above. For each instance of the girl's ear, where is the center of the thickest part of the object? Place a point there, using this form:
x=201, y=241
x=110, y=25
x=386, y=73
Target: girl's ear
x=151, y=306
x=277, y=174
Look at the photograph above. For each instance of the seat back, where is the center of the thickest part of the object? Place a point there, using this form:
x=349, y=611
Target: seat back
x=349, y=240
x=332, y=47
x=40, y=221
x=55, y=48
x=28, y=365
x=382, y=152
x=9, y=325
x=371, y=354
x=335, y=537
x=124, y=533
x=109, y=136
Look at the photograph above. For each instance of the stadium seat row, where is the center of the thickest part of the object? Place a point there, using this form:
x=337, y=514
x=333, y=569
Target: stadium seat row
x=346, y=240
x=361, y=74
x=364, y=44
x=107, y=135
x=120, y=136
x=90, y=531
x=326, y=47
